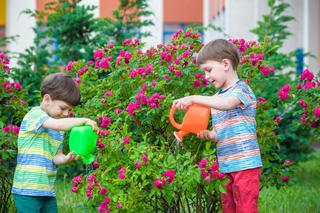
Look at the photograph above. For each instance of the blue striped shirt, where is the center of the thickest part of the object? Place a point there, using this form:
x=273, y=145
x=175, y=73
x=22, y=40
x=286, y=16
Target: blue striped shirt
x=237, y=146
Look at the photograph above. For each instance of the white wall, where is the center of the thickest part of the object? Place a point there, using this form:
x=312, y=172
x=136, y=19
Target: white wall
x=156, y=6
x=218, y=21
x=20, y=24
x=240, y=18
x=243, y=15
x=296, y=27
x=304, y=29
x=92, y=3
x=311, y=43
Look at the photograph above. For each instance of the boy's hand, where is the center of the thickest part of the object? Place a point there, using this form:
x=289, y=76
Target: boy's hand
x=183, y=103
x=60, y=158
x=92, y=123
x=206, y=134
x=69, y=157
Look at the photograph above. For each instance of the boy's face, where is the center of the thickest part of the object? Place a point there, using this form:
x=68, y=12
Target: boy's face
x=56, y=108
x=216, y=72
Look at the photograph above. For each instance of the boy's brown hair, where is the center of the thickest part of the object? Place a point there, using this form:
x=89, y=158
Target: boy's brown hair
x=61, y=87
x=217, y=50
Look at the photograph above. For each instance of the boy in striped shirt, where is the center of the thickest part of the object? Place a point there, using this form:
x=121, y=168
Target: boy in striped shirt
x=40, y=144
x=233, y=110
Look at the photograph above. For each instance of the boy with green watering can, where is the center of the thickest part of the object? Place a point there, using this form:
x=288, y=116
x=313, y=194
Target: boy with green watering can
x=40, y=144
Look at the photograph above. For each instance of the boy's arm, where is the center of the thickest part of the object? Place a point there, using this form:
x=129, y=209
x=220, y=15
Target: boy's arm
x=65, y=124
x=216, y=102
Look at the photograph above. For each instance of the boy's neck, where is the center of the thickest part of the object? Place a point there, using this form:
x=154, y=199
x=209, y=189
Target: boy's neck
x=42, y=106
x=231, y=80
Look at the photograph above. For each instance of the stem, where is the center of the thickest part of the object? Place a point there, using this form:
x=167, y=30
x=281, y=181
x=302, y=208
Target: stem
x=156, y=203
x=188, y=205
x=180, y=200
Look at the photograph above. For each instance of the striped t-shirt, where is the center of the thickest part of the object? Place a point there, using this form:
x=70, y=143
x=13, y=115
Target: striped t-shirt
x=237, y=146
x=35, y=173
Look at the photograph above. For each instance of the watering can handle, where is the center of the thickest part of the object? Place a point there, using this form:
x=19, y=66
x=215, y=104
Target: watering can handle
x=171, y=118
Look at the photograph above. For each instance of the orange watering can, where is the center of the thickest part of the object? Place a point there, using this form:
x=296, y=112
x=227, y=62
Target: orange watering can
x=195, y=120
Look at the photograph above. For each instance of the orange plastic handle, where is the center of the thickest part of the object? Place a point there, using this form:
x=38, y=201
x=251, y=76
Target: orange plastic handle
x=171, y=118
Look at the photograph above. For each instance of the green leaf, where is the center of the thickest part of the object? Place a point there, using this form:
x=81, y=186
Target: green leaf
x=222, y=188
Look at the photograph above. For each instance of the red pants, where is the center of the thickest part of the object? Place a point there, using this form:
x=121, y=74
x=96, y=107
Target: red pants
x=242, y=192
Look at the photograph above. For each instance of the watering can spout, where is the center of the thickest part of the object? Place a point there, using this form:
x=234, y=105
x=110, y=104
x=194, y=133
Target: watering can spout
x=88, y=159
x=179, y=135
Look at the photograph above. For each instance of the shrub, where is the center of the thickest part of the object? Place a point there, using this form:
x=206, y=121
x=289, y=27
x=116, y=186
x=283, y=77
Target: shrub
x=139, y=163
x=13, y=106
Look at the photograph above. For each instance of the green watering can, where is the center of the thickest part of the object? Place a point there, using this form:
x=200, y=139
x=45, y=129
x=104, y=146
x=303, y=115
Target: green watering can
x=82, y=141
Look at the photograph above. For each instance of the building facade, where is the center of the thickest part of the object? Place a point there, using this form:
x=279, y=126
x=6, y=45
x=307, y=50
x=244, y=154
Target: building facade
x=234, y=17
x=237, y=17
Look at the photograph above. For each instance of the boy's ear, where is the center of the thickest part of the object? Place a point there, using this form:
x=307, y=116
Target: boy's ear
x=47, y=98
x=226, y=63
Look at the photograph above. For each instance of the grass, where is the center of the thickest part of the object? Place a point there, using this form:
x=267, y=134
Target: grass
x=302, y=196
x=69, y=202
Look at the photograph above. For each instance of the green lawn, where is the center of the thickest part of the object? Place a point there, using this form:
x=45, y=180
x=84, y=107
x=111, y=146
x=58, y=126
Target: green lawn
x=69, y=202
x=302, y=196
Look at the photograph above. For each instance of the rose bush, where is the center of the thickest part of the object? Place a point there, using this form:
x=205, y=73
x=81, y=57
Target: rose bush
x=298, y=115
x=295, y=140
x=139, y=164
x=13, y=106
x=130, y=91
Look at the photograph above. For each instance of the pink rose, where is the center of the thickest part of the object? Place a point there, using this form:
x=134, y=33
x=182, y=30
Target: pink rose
x=122, y=176
x=285, y=179
x=158, y=184
x=317, y=112
x=303, y=103
x=126, y=139
x=144, y=158
x=103, y=191
x=287, y=162
x=97, y=54
x=138, y=165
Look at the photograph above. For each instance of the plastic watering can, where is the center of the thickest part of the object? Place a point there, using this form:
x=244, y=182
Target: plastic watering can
x=82, y=141
x=195, y=120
